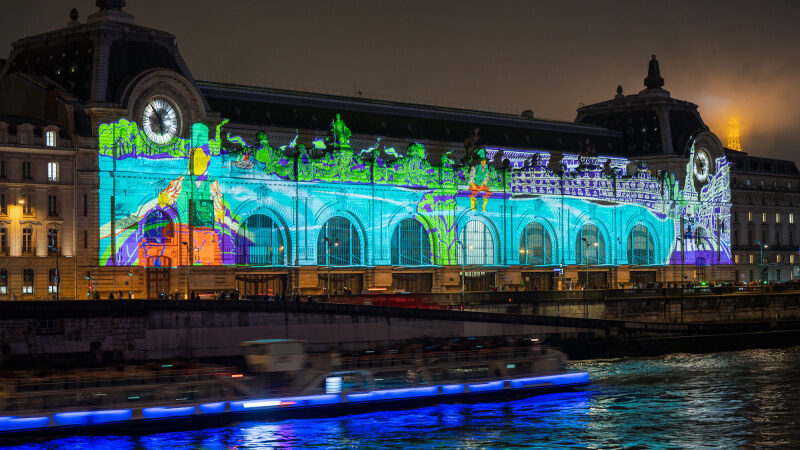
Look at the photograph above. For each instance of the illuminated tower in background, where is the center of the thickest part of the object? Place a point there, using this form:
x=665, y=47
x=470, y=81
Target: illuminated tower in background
x=734, y=141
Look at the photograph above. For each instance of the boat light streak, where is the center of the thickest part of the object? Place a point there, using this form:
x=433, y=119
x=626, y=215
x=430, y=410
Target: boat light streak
x=265, y=403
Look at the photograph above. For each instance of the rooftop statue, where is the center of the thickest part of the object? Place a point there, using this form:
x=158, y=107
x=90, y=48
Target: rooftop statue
x=341, y=134
x=653, y=80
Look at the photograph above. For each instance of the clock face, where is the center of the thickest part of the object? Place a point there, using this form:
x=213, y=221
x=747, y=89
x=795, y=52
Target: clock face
x=702, y=165
x=160, y=120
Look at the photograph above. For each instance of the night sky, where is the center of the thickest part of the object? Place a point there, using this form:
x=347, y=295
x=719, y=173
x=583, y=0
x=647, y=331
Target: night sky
x=732, y=58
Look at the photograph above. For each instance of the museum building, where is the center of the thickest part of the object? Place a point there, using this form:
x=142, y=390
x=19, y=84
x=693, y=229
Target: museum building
x=121, y=174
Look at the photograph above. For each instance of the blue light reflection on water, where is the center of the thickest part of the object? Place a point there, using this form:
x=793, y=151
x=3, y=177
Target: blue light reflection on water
x=718, y=400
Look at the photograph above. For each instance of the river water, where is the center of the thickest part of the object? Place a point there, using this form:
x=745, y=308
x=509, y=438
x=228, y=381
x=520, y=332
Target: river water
x=720, y=400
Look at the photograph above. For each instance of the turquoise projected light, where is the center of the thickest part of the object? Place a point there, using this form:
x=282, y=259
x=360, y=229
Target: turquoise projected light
x=322, y=203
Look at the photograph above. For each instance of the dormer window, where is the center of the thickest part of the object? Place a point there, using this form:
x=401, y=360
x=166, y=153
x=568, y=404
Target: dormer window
x=50, y=138
x=25, y=134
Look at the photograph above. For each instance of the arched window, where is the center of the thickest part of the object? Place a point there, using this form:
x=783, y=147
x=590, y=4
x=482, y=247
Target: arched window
x=338, y=243
x=479, y=243
x=259, y=242
x=640, y=246
x=410, y=244
x=157, y=227
x=590, y=247
x=534, y=245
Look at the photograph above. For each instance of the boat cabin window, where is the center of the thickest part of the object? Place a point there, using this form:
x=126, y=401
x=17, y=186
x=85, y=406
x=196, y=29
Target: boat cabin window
x=287, y=348
x=519, y=368
x=275, y=348
x=398, y=378
x=344, y=382
x=460, y=373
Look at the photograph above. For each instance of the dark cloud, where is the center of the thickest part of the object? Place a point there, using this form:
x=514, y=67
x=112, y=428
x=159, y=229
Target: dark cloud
x=732, y=58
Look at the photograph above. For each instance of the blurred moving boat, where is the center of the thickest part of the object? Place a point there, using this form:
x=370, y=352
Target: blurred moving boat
x=283, y=381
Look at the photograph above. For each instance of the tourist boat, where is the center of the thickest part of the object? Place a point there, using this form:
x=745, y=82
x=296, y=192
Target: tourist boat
x=282, y=381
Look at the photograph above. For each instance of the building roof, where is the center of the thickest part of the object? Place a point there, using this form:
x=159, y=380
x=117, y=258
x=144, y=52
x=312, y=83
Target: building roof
x=742, y=162
x=302, y=110
x=94, y=60
x=651, y=121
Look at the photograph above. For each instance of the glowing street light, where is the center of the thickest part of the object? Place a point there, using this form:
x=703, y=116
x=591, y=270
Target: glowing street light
x=761, y=248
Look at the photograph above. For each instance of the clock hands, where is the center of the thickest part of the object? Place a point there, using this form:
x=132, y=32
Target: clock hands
x=159, y=121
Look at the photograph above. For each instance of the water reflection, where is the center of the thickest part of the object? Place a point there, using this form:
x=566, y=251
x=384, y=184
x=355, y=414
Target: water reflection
x=718, y=400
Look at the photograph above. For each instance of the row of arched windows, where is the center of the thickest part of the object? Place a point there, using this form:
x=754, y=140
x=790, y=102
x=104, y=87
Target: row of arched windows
x=260, y=242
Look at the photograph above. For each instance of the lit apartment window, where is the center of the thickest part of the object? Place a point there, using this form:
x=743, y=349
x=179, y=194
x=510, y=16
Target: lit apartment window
x=749, y=216
x=27, y=281
x=3, y=281
x=791, y=217
x=777, y=258
x=736, y=259
x=774, y=184
x=52, y=286
x=52, y=172
x=791, y=259
x=747, y=182
x=750, y=259
x=777, y=217
x=52, y=241
x=26, y=170
x=50, y=138
x=762, y=183
x=763, y=217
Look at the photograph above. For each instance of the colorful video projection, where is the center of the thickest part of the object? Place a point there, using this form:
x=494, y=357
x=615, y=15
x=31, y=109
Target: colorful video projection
x=215, y=199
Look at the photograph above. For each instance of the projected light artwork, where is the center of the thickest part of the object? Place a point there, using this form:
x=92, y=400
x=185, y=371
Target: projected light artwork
x=214, y=199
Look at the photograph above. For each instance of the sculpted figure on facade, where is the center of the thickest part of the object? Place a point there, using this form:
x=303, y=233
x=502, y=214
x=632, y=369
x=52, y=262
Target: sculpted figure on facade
x=341, y=134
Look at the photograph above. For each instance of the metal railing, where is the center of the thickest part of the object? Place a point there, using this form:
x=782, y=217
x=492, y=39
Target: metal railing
x=437, y=358
x=112, y=379
x=124, y=391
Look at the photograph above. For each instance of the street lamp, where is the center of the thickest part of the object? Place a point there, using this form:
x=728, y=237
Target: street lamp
x=328, y=263
x=463, y=260
x=761, y=248
x=52, y=244
x=586, y=280
x=683, y=248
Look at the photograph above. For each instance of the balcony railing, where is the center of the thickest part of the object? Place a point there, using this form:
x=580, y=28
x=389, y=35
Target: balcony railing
x=28, y=251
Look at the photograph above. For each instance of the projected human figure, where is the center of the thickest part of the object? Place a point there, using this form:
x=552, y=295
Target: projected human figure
x=208, y=206
x=478, y=176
